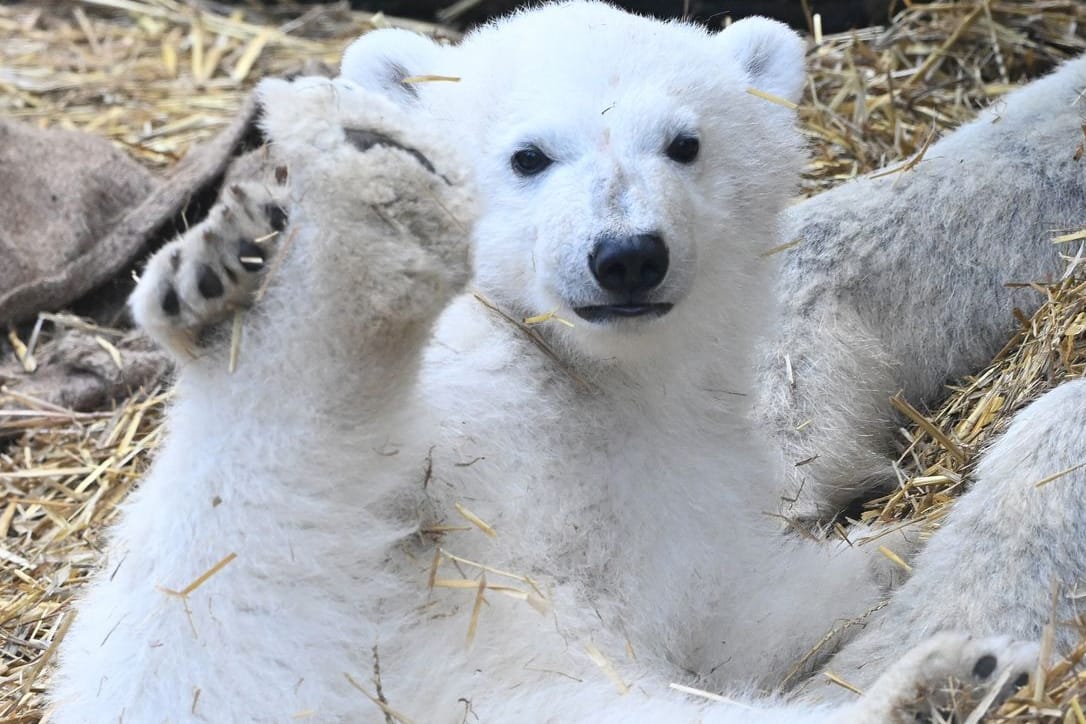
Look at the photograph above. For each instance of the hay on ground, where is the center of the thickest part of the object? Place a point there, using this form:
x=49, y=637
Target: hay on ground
x=156, y=76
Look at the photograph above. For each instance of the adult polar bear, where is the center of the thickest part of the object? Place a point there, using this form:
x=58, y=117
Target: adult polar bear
x=277, y=542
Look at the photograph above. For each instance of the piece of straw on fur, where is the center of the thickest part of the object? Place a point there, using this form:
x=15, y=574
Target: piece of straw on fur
x=607, y=668
x=475, y=520
x=842, y=683
x=468, y=584
x=1065, y=238
x=765, y=96
x=203, y=577
x=547, y=317
x=534, y=597
x=490, y=569
x=895, y=558
x=473, y=624
x=534, y=336
x=236, y=326
x=431, y=79
x=702, y=694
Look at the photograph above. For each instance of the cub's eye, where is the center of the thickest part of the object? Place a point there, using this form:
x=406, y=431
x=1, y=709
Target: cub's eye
x=529, y=161
x=684, y=149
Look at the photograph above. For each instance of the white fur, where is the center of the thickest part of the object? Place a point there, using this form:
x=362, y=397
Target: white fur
x=624, y=476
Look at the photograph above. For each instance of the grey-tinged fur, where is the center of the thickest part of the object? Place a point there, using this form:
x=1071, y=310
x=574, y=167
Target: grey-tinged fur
x=1006, y=547
x=900, y=283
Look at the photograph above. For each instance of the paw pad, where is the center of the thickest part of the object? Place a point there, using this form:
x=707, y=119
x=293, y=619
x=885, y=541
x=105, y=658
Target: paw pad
x=277, y=216
x=985, y=666
x=171, y=305
x=208, y=283
x=250, y=255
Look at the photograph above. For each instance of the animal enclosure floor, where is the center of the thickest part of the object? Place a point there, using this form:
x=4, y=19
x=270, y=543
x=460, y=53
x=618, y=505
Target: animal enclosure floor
x=158, y=76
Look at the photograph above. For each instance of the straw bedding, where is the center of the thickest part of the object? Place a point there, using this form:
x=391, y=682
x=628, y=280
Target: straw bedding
x=156, y=76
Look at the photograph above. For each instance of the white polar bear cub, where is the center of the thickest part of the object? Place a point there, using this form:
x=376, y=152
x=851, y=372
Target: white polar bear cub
x=545, y=524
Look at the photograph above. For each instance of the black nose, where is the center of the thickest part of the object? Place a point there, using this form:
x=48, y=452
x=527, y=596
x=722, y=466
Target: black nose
x=629, y=264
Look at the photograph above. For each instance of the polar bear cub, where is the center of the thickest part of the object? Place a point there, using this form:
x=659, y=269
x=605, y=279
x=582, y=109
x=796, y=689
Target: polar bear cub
x=408, y=502
x=902, y=282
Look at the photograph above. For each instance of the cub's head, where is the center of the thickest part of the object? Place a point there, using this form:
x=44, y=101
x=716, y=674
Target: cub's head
x=629, y=179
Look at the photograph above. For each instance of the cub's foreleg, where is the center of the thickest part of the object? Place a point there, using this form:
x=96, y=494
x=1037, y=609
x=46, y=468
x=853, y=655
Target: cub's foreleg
x=946, y=678
x=1011, y=555
x=252, y=570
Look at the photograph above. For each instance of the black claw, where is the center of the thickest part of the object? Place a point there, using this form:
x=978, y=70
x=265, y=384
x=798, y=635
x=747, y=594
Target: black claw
x=250, y=255
x=277, y=216
x=175, y=259
x=208, y=282
x=238, y=192
x=281, y=175
x=1022, y=680
x=171, y=305
x=985, y=666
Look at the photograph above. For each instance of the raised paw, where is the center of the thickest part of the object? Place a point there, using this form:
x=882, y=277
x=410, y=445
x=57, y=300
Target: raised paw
x=215, y=268
x=381, y=205
x=946, y=679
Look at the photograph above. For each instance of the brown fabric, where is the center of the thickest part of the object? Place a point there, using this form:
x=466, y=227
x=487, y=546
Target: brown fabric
x=62, y=192
x=82, y=212
x=75, y=212
x=76, y=371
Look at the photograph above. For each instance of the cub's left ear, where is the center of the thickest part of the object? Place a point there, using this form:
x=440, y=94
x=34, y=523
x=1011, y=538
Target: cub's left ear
x=771, y=53
x=380, y=60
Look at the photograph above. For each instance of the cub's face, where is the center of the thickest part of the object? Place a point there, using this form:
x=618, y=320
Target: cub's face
x=627, y=177
x=592, y=201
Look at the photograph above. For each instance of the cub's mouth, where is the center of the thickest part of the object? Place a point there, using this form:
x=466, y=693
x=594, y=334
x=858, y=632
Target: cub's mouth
x=608, y=312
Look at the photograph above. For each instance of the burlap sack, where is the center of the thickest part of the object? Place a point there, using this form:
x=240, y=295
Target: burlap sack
x=75, y=212
x=108, y=215
x=60, y=194
x=80, y=370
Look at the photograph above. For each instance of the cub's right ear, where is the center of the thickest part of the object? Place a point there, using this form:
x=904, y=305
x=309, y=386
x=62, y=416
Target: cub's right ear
x=380, y=60
x=771, y=54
